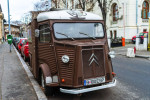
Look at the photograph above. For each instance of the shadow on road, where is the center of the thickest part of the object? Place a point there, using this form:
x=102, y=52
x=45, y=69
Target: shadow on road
x=95, y=95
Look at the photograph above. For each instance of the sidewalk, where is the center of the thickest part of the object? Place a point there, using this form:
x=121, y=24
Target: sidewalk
x=14, y=82
x=123, y=51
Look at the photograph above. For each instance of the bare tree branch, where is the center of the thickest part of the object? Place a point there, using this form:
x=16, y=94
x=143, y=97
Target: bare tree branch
x=64, y=1
x=82, y=4
x=102, y=5
x=92, y=4
x=55, y=2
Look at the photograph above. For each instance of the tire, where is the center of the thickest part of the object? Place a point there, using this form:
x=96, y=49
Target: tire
x=47, y=90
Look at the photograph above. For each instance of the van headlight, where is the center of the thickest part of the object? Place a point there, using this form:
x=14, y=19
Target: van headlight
x=65, y=59
x=111, y=54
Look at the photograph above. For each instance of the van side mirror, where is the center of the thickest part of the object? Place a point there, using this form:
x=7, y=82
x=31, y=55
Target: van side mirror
x=37, y=32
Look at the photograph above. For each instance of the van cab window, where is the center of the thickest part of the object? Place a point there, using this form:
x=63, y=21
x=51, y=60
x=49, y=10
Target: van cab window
x=78, y=30
x=44, y=33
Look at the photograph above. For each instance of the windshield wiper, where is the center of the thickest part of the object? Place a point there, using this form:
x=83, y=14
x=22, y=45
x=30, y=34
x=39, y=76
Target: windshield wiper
x=87, y=35
x=65, y=35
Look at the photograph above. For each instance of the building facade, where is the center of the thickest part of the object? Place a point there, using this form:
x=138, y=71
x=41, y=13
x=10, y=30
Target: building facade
x=1, y=25
x=15, y=30
x=126, y=18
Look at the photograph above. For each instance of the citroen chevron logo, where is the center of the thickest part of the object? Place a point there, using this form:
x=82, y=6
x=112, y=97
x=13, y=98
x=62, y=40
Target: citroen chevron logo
x=92, y=59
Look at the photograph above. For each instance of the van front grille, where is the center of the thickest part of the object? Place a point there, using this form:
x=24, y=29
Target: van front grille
x=93, y=62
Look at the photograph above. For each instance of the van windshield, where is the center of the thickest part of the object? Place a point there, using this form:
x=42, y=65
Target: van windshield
x=78, y=30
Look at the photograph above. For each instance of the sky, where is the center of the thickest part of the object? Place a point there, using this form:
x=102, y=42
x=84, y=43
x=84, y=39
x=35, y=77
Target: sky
x=17, y=8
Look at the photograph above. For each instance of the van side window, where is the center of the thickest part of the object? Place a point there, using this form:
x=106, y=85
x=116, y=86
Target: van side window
x=44, y=33
x=29, y=33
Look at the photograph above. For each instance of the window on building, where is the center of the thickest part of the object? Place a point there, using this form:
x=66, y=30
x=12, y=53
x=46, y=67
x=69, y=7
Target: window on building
x=115, y=34
x=145, y=10
x=115, y=12
x=111, y=34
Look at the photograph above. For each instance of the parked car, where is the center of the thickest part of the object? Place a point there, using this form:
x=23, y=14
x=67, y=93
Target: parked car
x=21, y=43
x=141, y=35
x=25, y=50
x=21, y=50
x=14, y=40
x=133, y=39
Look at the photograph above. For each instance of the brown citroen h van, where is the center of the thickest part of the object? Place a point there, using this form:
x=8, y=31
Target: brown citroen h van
x=69, y=50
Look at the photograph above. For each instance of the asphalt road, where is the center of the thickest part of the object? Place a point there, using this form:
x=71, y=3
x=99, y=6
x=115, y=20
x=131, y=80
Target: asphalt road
x=134, y=73
x=133, y=82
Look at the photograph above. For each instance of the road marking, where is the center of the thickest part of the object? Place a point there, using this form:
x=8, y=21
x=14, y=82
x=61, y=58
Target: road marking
x=39, y=92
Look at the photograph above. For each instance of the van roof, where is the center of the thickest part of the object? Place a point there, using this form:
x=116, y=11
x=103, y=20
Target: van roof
x=68, y=15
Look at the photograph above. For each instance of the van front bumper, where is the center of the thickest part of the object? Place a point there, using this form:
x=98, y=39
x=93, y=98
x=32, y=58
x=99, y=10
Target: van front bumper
x=84, y=90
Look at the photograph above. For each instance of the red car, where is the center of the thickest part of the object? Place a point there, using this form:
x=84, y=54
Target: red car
x=141, y=37
x=133, y=39
x=25, y=50
x=21, y=43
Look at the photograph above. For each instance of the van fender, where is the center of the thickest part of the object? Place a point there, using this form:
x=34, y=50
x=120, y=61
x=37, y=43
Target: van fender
x=46, y=72
x=45, y=69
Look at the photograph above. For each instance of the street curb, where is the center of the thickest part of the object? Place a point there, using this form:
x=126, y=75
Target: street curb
x=39, y=92
x=137, y=56
x=140, y=56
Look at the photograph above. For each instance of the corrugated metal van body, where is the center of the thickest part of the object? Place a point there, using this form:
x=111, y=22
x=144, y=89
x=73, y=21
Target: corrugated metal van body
x=46, y=55
x=66, y=70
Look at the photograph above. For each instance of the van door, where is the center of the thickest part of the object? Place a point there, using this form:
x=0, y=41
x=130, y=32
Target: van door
x=46, y=52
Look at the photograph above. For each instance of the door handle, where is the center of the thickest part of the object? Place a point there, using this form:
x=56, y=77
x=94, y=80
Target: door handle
x=51, y=45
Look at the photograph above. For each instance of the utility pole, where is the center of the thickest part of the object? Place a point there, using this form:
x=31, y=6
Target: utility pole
x=9, y=37
x=123, y=39
x=137, y=16
x=9, y=17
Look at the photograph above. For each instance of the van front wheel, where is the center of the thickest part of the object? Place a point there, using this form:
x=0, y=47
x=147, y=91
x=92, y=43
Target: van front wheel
x=47, y=90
